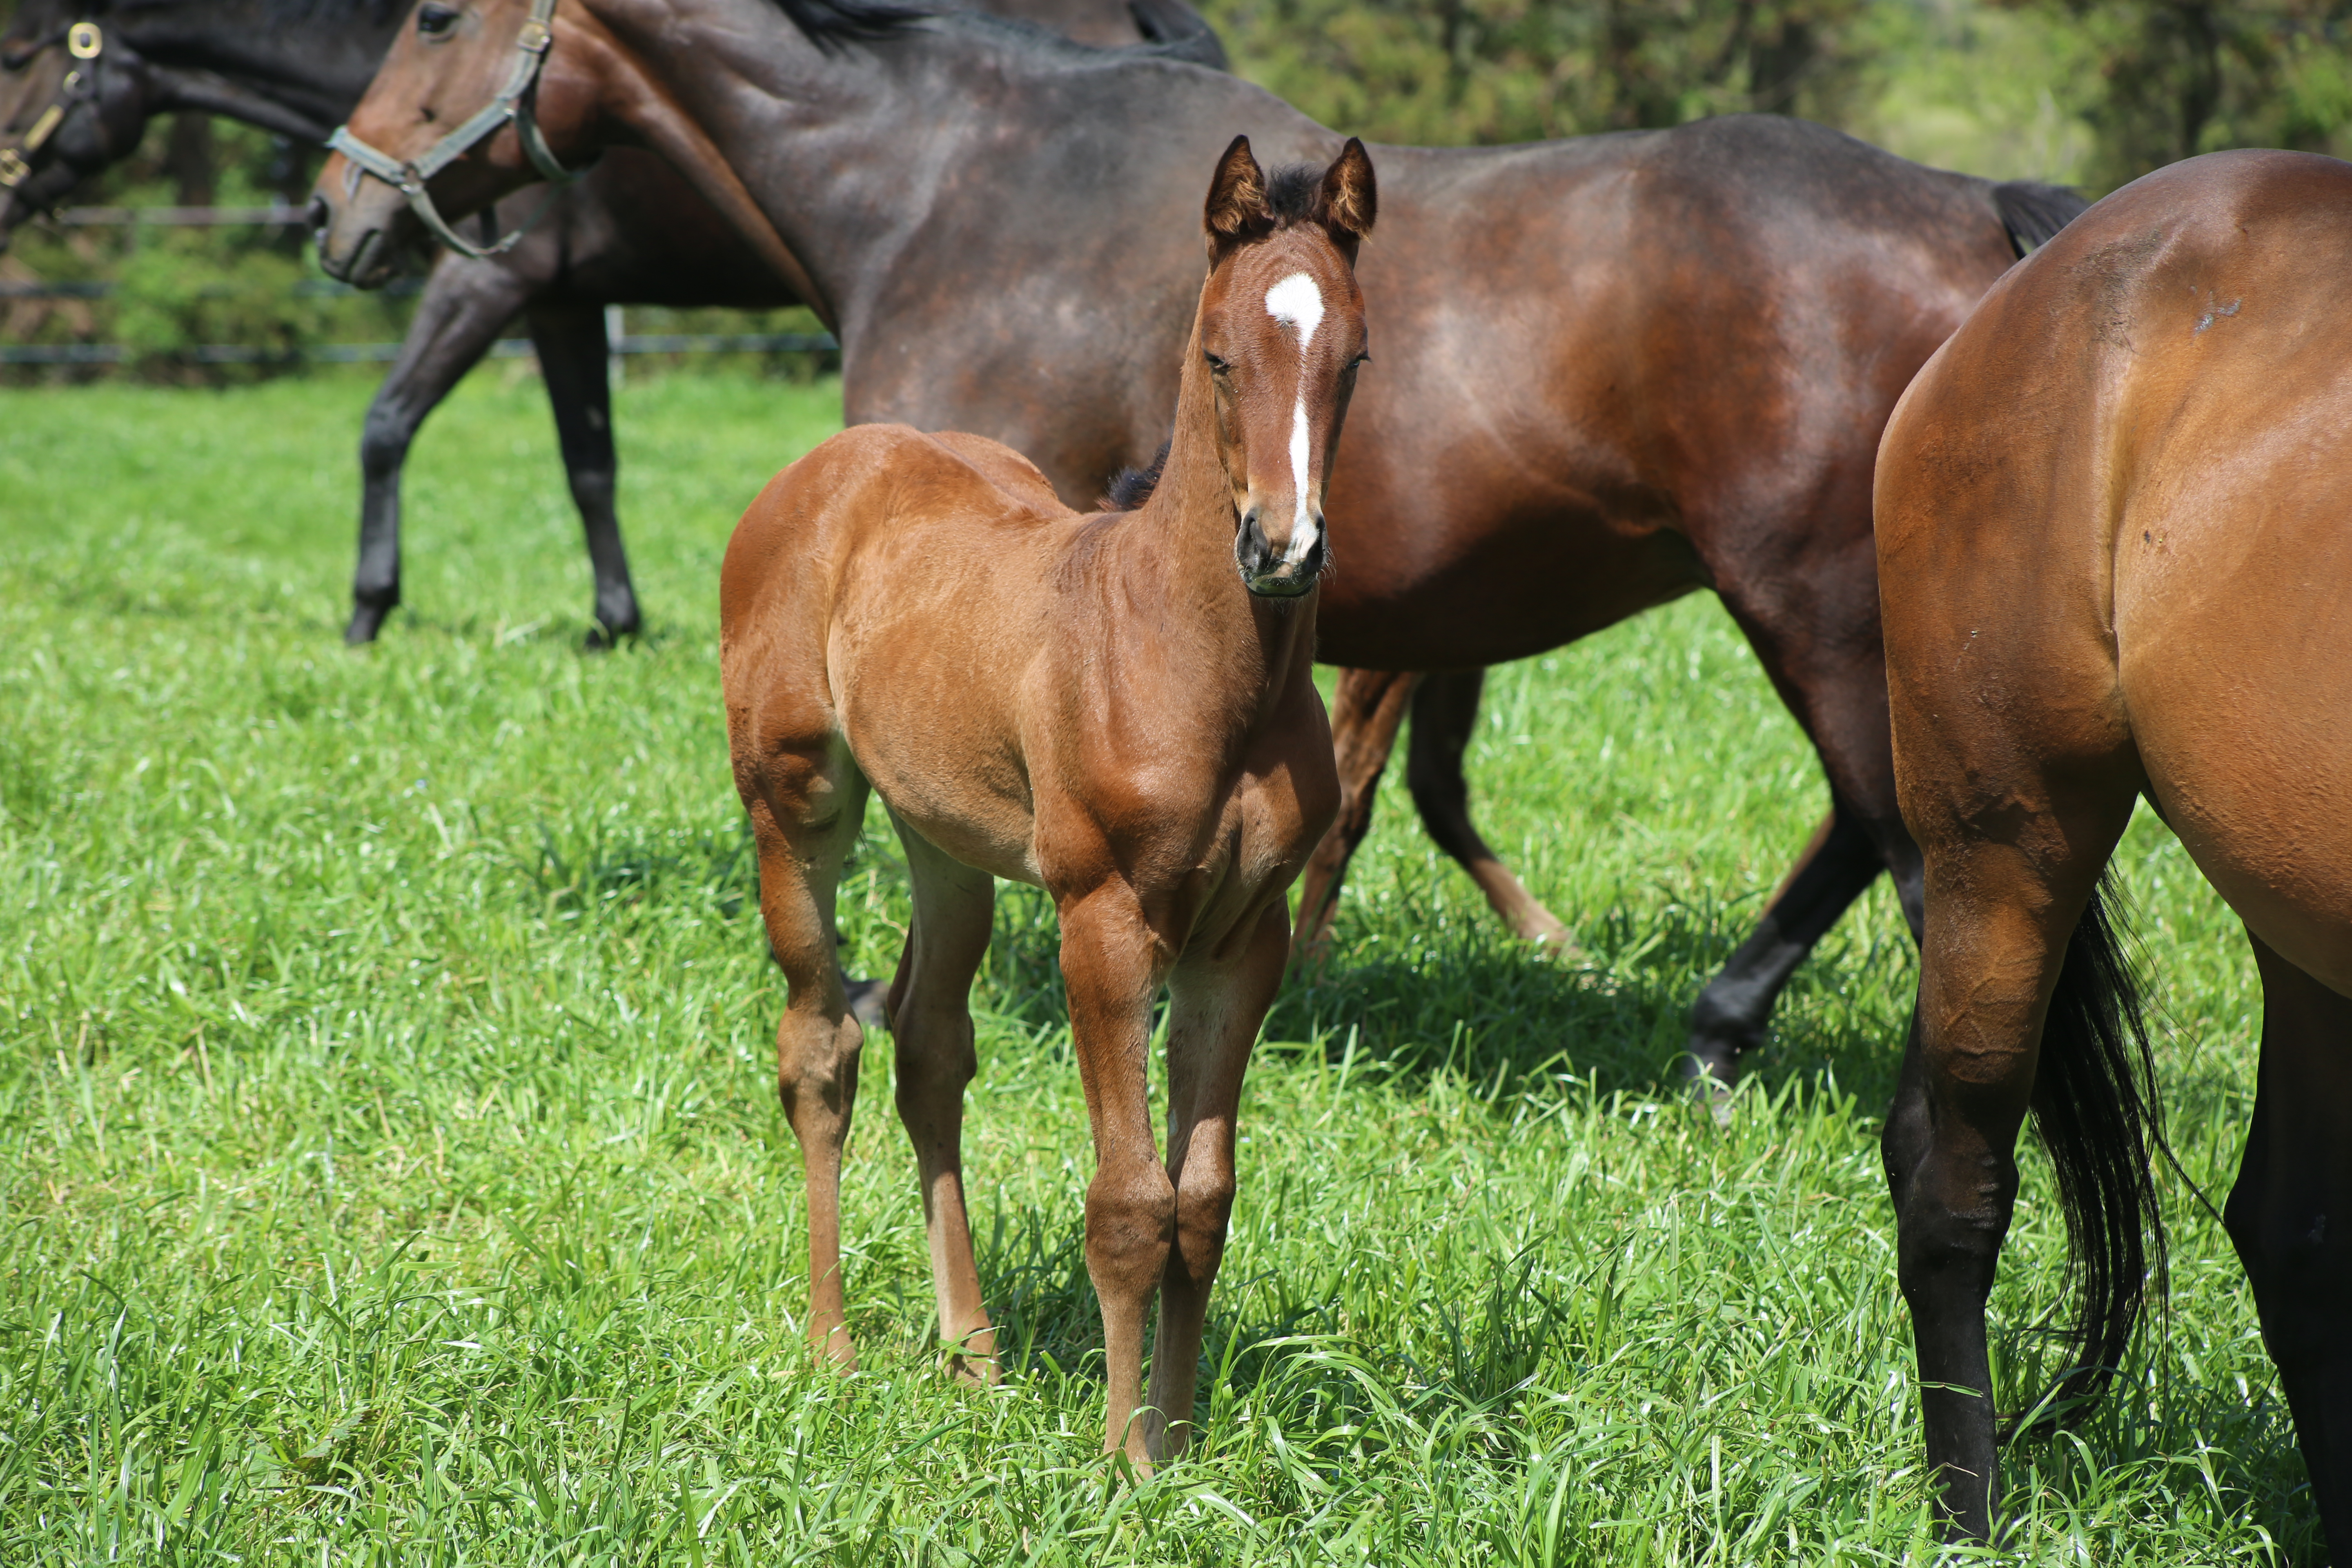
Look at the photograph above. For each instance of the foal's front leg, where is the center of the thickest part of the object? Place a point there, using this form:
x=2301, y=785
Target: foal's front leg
x=1113, y=963
x=1216, y=1002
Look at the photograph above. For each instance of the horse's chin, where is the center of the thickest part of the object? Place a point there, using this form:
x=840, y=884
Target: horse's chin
x=369, y=264
x=1283, y=589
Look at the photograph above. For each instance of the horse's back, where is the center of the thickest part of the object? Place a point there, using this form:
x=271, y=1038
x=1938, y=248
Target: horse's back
x=2112, y=519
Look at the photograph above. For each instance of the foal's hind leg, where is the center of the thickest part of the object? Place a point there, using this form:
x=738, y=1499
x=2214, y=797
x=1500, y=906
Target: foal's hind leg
x=1444, y=714
x=1215, y=1004
x=805, y=813
x=1368, y=707
x=930, y=1023
x=2291, y=1216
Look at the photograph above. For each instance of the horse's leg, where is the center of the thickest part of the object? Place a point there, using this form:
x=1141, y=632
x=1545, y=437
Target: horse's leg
x=1731, y=1014
x=1111, y=962
x=1215, y=1009
x=805, y=814
x=930, y=1027
x=2001, y=914
x=1444, y=712
x=459, y=316
x=2288, y=1215
x=1835, y=685
x=1367, y=708
x=574, y=356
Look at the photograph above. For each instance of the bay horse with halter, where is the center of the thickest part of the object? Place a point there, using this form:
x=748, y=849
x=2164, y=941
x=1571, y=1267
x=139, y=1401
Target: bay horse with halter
x=1625, y=367
x=79, y=80
x=1117, y=708
x=2114, y=528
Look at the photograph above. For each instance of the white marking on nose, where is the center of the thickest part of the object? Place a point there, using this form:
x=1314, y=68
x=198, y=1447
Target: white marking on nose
x=1295, y=301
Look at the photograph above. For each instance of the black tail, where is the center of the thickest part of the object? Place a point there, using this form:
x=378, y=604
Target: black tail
x=2033, y=213
x=2095, y=1106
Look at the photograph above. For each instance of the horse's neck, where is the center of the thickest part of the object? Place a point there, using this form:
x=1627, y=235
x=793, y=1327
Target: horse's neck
x=1181, y=547
x=312, y=61
x=863, y=157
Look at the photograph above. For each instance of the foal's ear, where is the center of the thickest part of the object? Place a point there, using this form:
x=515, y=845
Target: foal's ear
x=1348, y=199
x=1236, y=210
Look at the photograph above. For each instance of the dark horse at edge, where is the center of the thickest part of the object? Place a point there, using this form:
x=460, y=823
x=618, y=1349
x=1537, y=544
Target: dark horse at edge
x=630, y=232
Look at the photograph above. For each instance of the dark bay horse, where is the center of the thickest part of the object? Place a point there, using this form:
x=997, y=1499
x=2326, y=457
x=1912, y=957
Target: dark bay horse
x=1623, y=367
x=1120, y=709
x=629, y=232
x=2114, y=524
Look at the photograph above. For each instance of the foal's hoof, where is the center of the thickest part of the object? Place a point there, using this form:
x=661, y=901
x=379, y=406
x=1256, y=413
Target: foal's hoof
x=602, y=638
x=869, y=1003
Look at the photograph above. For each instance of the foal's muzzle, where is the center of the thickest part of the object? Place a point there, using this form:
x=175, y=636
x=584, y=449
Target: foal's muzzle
x=1264, y=571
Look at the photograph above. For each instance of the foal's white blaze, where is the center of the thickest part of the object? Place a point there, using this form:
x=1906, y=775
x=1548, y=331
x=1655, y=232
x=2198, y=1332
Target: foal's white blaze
x=1295, y=301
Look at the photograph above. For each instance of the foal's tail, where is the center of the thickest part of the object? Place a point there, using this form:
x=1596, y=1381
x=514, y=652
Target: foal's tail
x=2095, y=1106
x=2033, y=213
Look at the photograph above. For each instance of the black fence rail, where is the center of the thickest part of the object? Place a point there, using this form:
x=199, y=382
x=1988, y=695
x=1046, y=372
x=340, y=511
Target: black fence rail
x=366, y=353
x=312, y=288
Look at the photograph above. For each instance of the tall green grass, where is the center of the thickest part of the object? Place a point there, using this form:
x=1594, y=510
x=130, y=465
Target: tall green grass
x=394, y=1173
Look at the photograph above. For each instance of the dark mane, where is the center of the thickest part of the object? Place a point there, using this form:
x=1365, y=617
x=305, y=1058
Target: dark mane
x=1130, y=488
x=832, y=23
x=1290, y=192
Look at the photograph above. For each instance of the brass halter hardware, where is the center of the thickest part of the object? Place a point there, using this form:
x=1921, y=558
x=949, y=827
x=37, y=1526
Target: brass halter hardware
x=513, y=102
x=84, y=41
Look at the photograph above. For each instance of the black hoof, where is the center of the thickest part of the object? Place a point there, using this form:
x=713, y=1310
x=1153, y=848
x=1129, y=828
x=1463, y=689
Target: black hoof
x=1711, y=1069
x=603, y=638
x=869, y=1003
x=367, y=620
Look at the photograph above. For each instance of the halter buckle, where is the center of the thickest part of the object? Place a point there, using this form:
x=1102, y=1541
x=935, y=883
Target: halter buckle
x=535, y=36
x=12, y=168
x=83, y=40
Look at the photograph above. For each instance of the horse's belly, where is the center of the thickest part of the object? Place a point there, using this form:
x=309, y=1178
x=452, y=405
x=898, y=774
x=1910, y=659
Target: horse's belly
x=2247, y=744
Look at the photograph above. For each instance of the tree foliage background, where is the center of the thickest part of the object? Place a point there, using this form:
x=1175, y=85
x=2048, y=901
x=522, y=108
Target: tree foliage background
x=2096, y=92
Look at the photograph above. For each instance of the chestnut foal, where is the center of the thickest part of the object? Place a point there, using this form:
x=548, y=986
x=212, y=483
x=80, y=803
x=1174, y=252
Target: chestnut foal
x=1100, y=706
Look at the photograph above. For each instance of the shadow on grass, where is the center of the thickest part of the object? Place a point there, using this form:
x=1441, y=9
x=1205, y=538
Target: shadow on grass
x=1466, y=998
x=1480, y=1355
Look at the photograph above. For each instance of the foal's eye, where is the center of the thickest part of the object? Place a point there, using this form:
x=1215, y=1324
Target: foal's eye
x=434, y=21
x=1216, y=365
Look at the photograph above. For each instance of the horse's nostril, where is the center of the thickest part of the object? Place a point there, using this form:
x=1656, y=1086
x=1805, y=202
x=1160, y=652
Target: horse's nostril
x=316, y=215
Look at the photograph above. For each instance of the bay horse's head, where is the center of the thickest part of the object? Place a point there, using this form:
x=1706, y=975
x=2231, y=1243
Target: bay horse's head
x=72, y=100
x=475, y=100
x=1279, y=335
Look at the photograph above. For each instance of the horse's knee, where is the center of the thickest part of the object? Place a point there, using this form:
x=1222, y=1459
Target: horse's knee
x=816, y=1066
x=384, y=437
x=1944, y=1252
x=1204, y=1211
x=1130, y=1224
x=593, y=485
x=937, y=1061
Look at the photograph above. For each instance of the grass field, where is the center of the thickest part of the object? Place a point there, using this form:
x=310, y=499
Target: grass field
x=393, y=1172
